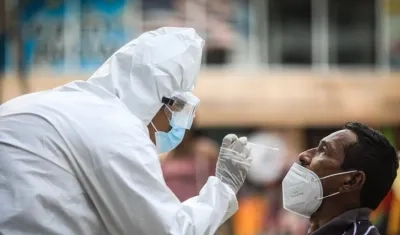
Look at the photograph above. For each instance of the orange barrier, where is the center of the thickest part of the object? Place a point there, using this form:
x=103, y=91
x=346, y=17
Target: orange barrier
x=250, y=218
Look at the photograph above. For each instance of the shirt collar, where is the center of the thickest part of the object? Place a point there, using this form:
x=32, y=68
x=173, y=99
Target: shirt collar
x=340, y=223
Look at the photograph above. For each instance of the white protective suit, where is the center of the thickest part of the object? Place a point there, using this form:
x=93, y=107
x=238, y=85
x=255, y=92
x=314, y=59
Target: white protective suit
x=78, y=159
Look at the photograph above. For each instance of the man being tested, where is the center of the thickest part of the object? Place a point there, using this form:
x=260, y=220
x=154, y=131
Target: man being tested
x=83, y=158
x=337, y=184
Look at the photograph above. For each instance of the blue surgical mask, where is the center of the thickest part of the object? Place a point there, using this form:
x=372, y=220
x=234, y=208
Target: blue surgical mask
x=167, y=141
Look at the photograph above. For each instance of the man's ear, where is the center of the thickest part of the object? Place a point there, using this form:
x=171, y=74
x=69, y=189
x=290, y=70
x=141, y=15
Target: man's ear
x=352, y=181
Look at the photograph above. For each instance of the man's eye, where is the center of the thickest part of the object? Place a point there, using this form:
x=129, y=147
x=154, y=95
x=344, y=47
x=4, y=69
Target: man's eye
x=322, y=149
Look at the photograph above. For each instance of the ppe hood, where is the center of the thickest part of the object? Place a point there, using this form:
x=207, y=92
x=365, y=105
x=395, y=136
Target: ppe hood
x=154, y=65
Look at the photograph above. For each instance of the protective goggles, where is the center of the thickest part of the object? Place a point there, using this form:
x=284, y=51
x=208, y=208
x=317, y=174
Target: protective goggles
x=180, y=109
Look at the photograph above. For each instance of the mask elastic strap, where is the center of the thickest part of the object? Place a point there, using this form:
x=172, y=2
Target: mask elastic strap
x=340, y=173
x=166, y=106
x=154, y=126
x=330, y=195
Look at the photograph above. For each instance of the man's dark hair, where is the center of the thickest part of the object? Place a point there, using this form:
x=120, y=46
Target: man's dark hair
x=377, y=158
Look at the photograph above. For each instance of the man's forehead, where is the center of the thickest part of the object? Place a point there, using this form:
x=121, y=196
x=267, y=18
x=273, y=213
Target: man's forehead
x=345, y=136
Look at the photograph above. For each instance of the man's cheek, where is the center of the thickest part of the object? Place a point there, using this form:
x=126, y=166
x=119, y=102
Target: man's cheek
x=317, y=167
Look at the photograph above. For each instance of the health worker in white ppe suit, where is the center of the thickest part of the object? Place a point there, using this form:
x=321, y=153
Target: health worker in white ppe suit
x=83, y=158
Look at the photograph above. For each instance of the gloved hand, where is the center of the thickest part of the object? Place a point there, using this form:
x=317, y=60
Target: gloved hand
x=234, y=161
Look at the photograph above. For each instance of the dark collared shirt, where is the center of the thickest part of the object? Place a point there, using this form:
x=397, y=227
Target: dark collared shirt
x=352, y=222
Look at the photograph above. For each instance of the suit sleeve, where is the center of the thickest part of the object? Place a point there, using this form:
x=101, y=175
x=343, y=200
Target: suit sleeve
x=131, y=197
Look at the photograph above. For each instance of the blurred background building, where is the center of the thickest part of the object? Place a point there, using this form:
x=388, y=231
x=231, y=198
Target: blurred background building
x=284, y=72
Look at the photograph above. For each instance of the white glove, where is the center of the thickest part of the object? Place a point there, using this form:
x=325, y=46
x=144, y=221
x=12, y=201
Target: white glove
x=234, y=161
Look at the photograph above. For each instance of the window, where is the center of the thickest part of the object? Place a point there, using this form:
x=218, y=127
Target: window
x=289, y=32
x=393, y=14
x=352, y=32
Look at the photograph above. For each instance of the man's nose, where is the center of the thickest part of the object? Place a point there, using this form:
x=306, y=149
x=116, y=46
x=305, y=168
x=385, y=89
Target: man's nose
x=305, y=157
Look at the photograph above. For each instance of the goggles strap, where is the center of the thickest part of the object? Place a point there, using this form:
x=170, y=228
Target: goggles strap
x=168, y=108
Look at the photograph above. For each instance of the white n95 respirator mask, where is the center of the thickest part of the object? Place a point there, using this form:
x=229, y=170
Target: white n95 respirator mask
x=302, y=190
